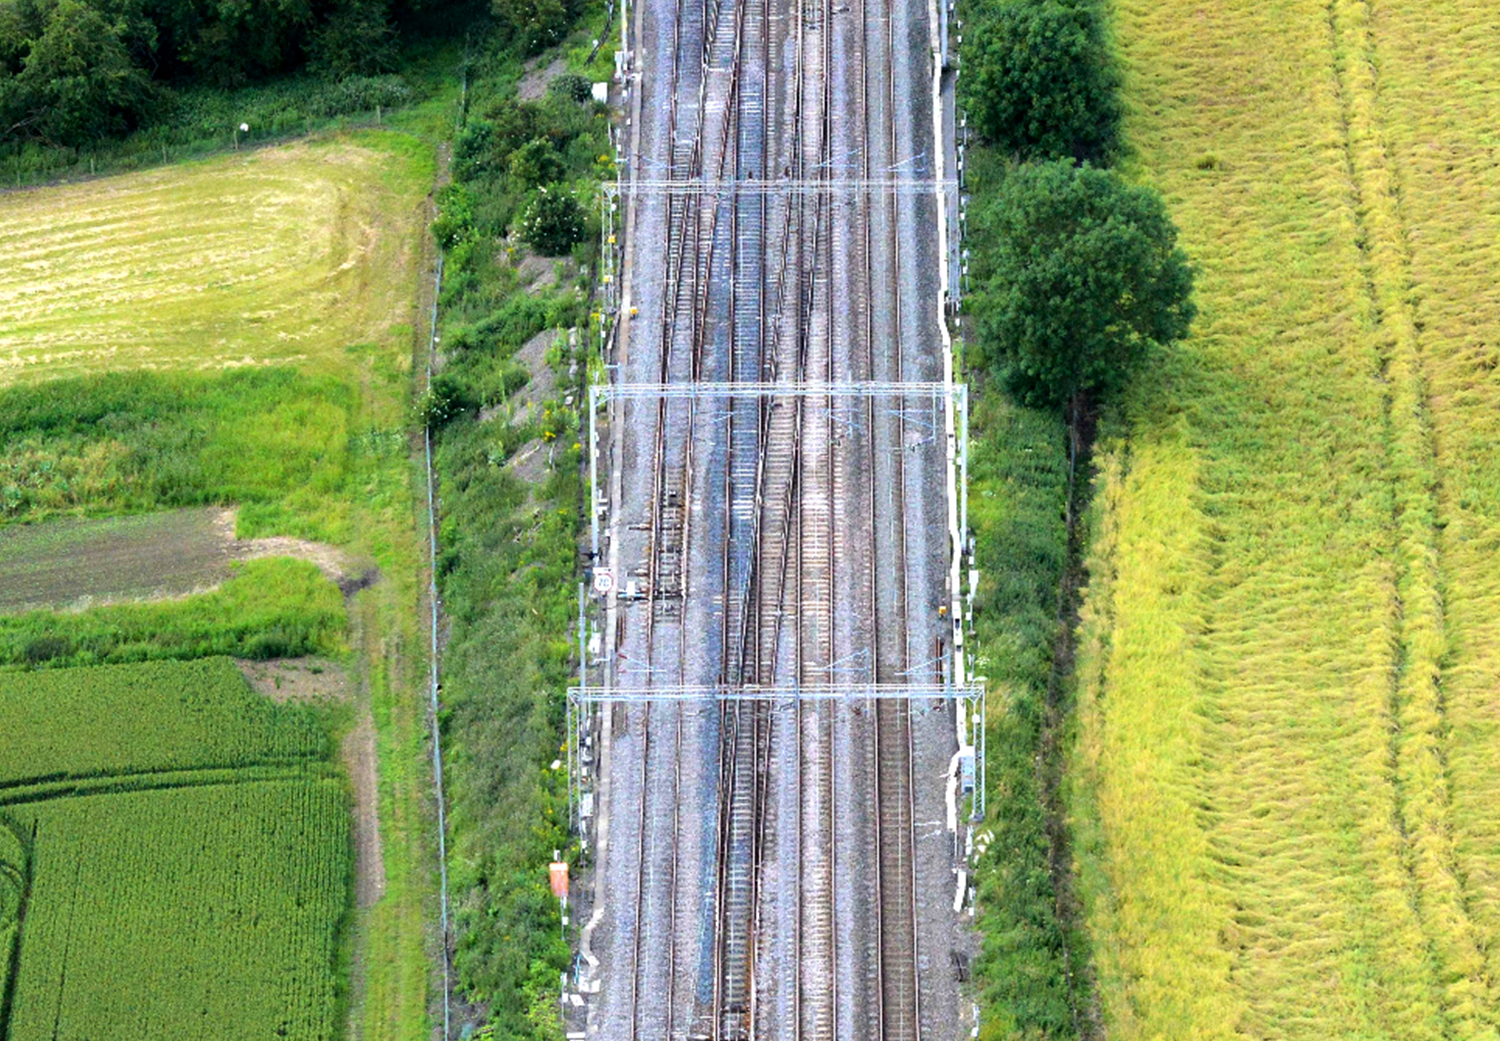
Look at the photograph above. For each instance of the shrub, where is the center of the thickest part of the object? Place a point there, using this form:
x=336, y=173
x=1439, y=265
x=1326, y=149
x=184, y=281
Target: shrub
x=552, y=223
x=534, y=24
x=571, y=86
x=445, y=401
x=455, y=221
x=536, y=163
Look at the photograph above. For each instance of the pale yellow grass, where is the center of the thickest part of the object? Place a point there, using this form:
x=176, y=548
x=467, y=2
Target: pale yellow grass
x=1439, y=115
x=1287, y=857
x=287, y=254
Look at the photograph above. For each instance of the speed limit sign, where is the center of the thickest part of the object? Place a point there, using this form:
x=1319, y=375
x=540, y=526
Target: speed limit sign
x=604, y=581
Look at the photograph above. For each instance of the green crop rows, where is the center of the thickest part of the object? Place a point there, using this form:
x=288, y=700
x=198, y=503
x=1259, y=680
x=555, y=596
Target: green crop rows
x=174, y=858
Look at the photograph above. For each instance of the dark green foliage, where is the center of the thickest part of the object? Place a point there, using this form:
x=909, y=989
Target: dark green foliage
x=474, y=150
x=455, y=221
x=535, y=25
x=571, y=86
x=13, y=39
x=74, y=72
x=1038, y=81
x=358, y=38
x=446, y=400
x=77, y=80
x=552, y=222
x=536, y=163
x=1079, y=277
x=1017, y=503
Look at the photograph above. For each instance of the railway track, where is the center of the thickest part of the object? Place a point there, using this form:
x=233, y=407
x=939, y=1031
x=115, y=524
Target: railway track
x=767, y=884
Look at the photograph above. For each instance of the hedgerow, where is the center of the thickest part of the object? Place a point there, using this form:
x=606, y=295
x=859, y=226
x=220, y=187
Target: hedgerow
x=508, y=548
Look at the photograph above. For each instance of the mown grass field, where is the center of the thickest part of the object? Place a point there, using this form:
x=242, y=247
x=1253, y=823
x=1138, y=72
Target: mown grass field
x=174, y=858
x=1289, y=671
x=239, y=332
x=289, y=254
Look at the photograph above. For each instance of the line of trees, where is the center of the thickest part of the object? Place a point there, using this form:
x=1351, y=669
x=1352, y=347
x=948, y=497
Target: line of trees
x=74, y=72
x=1079, y=275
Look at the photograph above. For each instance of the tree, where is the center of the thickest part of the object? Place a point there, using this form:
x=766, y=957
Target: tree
x=535, y=24
x=1081, y=278
x=357, y=39
x=78, y=82
x=553, y=222
x=13, y=40
x=1039, y=81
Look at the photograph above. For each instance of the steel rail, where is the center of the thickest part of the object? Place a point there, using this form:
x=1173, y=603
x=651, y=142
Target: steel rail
x=653, y=544
x=819, y=186
x=786, y=389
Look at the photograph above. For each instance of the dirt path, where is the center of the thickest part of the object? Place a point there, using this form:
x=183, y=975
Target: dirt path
x=335, y=564
x=358, y=755
x=325, y=680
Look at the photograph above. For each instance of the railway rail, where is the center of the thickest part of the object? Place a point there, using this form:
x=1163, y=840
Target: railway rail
x=775, y=673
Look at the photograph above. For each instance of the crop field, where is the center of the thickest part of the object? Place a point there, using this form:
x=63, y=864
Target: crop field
x=234, y=334
x=1289, y=752
x=174, y=858
x=289, y=254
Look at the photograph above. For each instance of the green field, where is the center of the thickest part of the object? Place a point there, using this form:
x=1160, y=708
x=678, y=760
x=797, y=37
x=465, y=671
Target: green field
x=1289, y=670
x=197, y=882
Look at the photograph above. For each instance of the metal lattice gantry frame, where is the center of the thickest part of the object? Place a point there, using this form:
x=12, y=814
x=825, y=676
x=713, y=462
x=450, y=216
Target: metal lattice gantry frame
x=956, y=394
x=973, y=697
x=739, y=187
x=969, y=696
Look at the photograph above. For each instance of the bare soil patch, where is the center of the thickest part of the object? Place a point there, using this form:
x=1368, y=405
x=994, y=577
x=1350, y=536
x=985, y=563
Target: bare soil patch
x=70, y=563
x=298, y=679
x=359, y=758
x=530, y=462
x=534, y=84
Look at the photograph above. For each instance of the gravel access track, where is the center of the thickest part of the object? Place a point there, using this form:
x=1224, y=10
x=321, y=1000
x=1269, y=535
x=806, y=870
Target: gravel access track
x=778, y=869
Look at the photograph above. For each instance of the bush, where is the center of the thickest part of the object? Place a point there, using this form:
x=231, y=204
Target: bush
x=536, y=163
x=535, y=24
x=1039, y=81
x=445, y=401
x=572, y=87
x=455, y=221
x=77, y=83
x=552, y=223
x=357, y=38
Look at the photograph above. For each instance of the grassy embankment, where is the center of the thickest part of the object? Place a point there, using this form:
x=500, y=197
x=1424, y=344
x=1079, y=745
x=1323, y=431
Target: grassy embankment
x=511, y=491
x=265, y=307
x=1288, y=737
